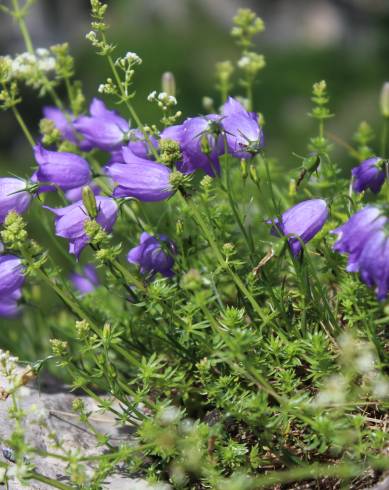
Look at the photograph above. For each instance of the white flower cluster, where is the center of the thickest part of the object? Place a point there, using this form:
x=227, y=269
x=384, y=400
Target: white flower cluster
x=163, y=99
x=133, y=58
x=8, y=363
x=27, y=65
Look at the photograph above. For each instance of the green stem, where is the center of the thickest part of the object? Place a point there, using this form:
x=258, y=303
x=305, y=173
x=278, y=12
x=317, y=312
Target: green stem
x=209, y=237
x=19, y=16
x=23, y=126
x=384, y=137
x=33, y=475
x=128, y=104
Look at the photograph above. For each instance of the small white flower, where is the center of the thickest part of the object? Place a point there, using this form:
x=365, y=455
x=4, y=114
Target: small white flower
x=133, y=58
x=152, y=96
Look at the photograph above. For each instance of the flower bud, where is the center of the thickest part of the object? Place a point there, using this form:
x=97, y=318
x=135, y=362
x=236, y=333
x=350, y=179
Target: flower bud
x=169, y=83
x=89, y=200
x=243, y=169
x=384, y=100
x=253, y=174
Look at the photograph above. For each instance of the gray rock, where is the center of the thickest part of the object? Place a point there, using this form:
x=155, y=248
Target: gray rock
x=50, y=412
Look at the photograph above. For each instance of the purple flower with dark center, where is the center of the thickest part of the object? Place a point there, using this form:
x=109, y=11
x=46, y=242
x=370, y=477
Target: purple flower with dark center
x=103, y=129
x=301, y=222
x=70, y=221
x=353, y=235
x=374, y=262
x=244, y=136
x=86, y=282
x=13, y=196
x=370, y=174
x=153, y=255
x=140, y=178
x=66, y=170
x=63, y=122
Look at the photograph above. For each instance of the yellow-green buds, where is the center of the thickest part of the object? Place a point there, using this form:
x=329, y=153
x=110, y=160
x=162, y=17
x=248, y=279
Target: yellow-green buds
x=384, y=100
x=89, y=200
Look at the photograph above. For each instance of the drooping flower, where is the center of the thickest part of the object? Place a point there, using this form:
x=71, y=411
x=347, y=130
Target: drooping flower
x=9, y=304
x=244, y=136
x=64, y=169
x=13, y=196
x=153, y=255
x=140, y=178
x=301, y=222
x=139, y=146
x=374, y=263
x=86, y=282
x=103, y=129
x=202, y=144
x=70, y=221
x=370, y=174
x=353, y=235
x=11, y=274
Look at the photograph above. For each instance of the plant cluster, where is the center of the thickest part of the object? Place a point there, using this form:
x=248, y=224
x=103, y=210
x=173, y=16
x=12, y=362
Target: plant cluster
x=209, y=297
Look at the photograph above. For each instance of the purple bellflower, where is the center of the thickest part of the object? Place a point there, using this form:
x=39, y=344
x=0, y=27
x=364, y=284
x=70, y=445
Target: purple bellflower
x=364, y=237
x=374, y=262
x=153, y=255
x=70, y=221
x=103, y=129
x=13, y=197
x=370, y=174
x=86, y=282
x=140, y=178
x=202, y=143
x=353, y=235
x=244, y=136
x=11, y=282
x=302, y=222
x=66, y=170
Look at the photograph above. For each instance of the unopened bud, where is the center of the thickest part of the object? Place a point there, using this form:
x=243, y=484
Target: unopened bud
x=89, y=200
x=243, y=169
x=208, y=104
x=384, y=100
x=169, y=83
x=253, y=174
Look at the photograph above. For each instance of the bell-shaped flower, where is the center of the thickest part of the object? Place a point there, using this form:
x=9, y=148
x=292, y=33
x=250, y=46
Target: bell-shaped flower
x=140, y=178
x=103, y=129
x=301, y=223
x=370, y=174
x=153, y=254
x=244, y=136
x=86, y=282
x=70, y=221
x=374, y=263
x=63, y=169
x=13, y=196
x=353, y=235
x=11, y=274
x=9, y=304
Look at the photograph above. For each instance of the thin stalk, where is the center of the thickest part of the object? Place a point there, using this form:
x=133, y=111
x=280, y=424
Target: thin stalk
x=34, y=475
x=239, y=283
x=384, y=136
x=23, y=126
x=19, y=16
x=128, y=104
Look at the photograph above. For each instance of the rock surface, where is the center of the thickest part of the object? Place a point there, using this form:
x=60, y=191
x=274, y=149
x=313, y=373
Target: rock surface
x=54, y=406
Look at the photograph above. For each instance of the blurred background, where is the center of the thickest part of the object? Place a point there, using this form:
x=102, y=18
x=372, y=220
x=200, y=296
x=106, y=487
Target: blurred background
x=345, y=42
